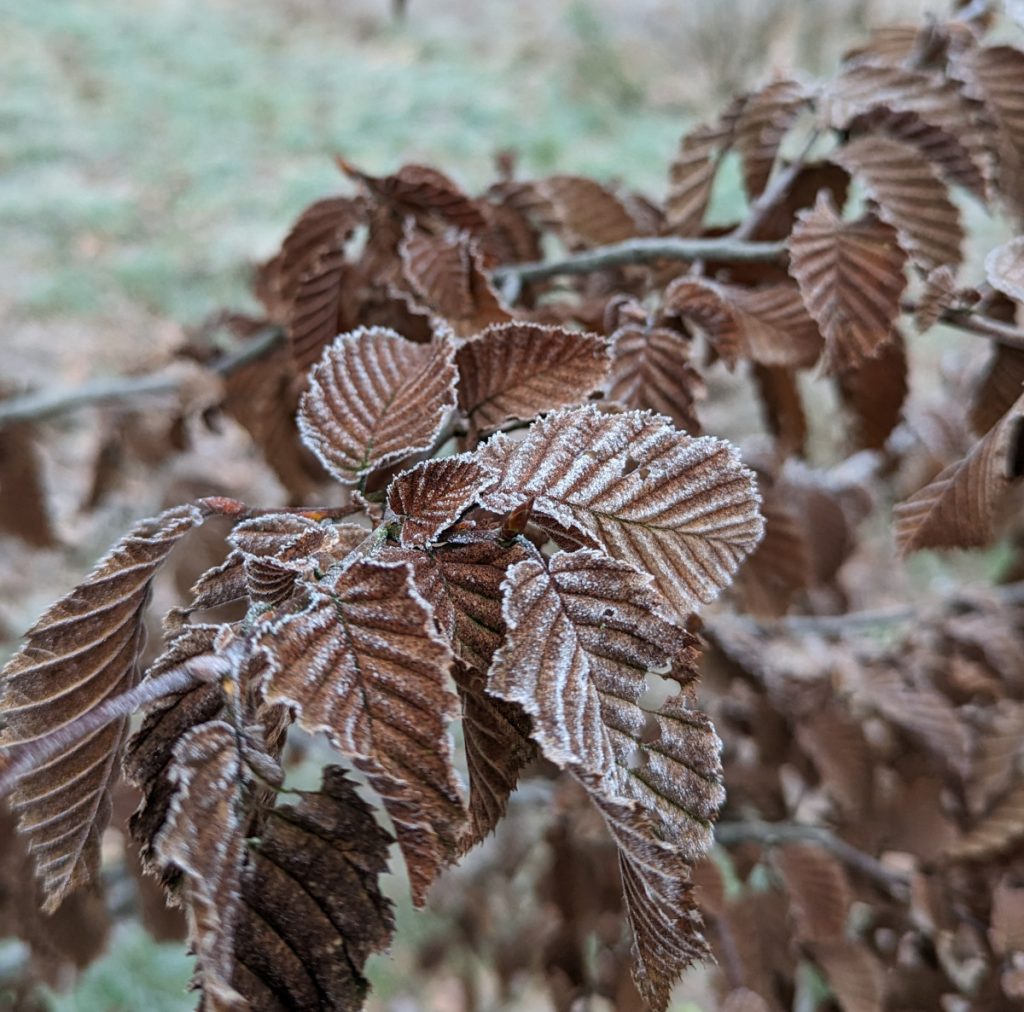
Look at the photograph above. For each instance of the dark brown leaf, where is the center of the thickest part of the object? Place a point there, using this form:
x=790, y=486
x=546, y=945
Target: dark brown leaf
x=873, y=392
x=24, y=510
x=375, y=398
x=433, y=495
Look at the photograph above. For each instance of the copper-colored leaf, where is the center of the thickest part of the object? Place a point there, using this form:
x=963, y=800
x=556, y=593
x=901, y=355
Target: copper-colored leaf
x=363, y=663
x=651, y=370
x=873, y=392
x=1004, y=268
x=204, y=838
x=767, y=325
x=317, y=312
x=683, y=509
x=910, y=197
x=959, y=508
x=851, y=277
x=375, y=398
x=431, y=496
x=311, y=910
x=84, y=650
x=519, y=370
x=582, y=632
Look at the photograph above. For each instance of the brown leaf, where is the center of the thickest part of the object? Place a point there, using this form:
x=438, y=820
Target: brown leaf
x=996, y=833
x=311, y=909
x=204, y=838
x=84, y=650
x=582, y=632
x=24, y=510
x=819, y=893
x=998, y=387
x=910, y=197
x=684, y=508
x=1007, y=931
x=587, y=213
x=854, y=973
x=767, y=115
x=433, y=495
x=996, y=757
x=363, y=663
x=519, y=370
x=1004, y=268
x=837, y=747
x=651, y=370
x=375, y=398
x=873, y=392
x=782, y=407
x=937, y=296
x=317, y=311
x=959, y=508
x=831, y=259
x=767, y=325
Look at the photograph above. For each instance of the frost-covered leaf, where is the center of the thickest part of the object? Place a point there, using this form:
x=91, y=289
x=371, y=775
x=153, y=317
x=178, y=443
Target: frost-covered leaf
x=311, y=910
x=959, y=508
x=84, y=650
x=910, y=197
x=583, y=631
x=432, y=496
x=681, y=508
x=363, y=663
x=1004, y=268
x=374, y=398
x=767, y=325
x=204, y=837
x=519, y=370
x=831, y=260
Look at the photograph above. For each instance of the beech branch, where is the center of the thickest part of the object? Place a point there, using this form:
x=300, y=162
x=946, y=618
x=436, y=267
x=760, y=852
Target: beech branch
x=769, y=834
x=49, y=403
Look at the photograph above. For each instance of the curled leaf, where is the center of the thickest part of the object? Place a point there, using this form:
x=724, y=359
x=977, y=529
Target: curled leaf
x=431, y=496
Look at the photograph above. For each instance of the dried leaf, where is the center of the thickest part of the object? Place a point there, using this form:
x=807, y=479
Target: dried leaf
x=433, y=495
x=767, y=325
x=684, y=509
x=854, y=974
x=692, y=174
x=874, y=392
x=996, y=833
x=764, y=121
x=819, y=893
x=311, y=909
x=375, y=398
x=910, y=197
x=1004, y=268
x=24, y=510
x=317, y=311
x=782, y=407
x=587, y=213
x=582, y=632
x=363, y=663
x=936, y=297
x=830, y=260
x=998, y=387
x=84, y=650
x=519, y=370
x=204, y=838
x=959, y=508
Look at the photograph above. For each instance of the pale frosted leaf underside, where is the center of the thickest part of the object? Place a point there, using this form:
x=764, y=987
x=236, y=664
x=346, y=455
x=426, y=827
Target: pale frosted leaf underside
x=83, y=651
x=432, y=495
x=311, y=909
x=959, y=508
x=519, y=370
x=851, y=277
x=204, y=838
x=374, y=398
x=583, y=631
x=766, y=325
x=684, y=510
x=651, y=371
x=363, y=663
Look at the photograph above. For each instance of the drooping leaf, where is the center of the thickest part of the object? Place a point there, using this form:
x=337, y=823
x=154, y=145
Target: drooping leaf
x=374, y=398
x=204, y=838
x=767, y=325
x=782, y=406
x=432, y=495
x=874, y=392
x=1004, y=268
x=24, y=506
x=998, y=387
x=767, y=115
x=311, y=910
x=363, y=663
x=831, y=260
x=683, y=509
x=959, y=508
x=84, y=650
x=651, y=370
x=910, y=197
x=582, y=632
x=519, y=370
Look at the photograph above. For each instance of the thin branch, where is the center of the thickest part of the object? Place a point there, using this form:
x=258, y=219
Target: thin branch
x=33, y=755
x=774, y=833
x=644, y=251
x=48, y=403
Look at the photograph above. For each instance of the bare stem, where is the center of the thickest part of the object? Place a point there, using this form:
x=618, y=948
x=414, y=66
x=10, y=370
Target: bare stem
x=48, y=403
x=33, y=755
x=774, y=833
